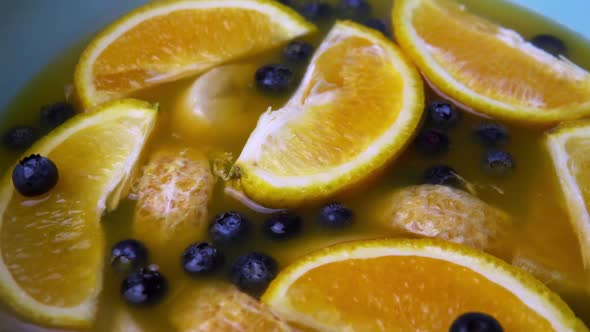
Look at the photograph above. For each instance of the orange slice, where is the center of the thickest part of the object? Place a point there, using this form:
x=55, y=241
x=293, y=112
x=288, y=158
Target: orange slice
x=167, y=40
x=412, y=285
x=488, y=68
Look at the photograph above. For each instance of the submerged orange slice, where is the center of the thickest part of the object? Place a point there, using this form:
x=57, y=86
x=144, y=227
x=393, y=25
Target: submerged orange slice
x=164, y=41
x=412, y=285
x=357, y=107
x=488, y=68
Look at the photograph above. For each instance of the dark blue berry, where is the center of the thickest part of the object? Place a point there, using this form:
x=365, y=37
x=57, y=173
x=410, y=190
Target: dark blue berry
x=432, y=142
x=35, y=175
x=336, y=215
x=442, y=114
x=316, y=10
x=354, y=9
x=229, y=227
x=491, y=134
x=498, y=163
x=253, y=272
x=144, y=287
x=550, y=44
x=282, y=225
x=274, y=77
x=475, y=322
x=55, y=114
x=441, y=175
x=298, y=51
x=379, y=25
x=201, y=259
x=128, y=255
x=20, y=138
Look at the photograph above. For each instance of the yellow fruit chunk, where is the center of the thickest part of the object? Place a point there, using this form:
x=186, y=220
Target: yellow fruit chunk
x=173, y=194
x=167, y=40
x=216, y=307
x=52, y=247
x=448, y=214
x=488, y=68
x=569, y=147
x=357, y=107
x=412, y=285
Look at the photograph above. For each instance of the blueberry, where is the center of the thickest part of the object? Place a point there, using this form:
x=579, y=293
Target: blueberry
x=274, y=77
x=498, y=163
x=335, y=215
x=442, y=114
x=432, y=142
x=475, y=322
x=441, y=175
x=282, y=225
x=201, y=259
x=128, y=255
x=491, y=134
x=550, y=44
x=35, y=175
x=55, y=114
x=298, y=51
x=354, y=9
x=144, y=287
x=316, y=10
x=229, y=227
x=20, y=138
x=379, y=25
x=253, y=272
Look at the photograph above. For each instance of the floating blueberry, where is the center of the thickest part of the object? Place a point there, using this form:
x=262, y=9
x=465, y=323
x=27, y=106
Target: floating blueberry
x=55, y=114
x=550, y=44
x=442, y=114
x=282, y=225
x=298, y=51
x=491, y=134
x=498, y=163
x=253, y=272
x=432, y=142
x=336, y=215
x=475, y=322
x=20, y=138
x=379, y=25
x=274, y=77
x=442, y=175
x=144, y=287
x=316, y=10
x=35, y=175
x=128, y=255
x=229, y=227
x=201, y=259
x=354, y=9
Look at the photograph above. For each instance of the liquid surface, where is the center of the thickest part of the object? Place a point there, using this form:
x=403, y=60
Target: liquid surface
x=531, y=194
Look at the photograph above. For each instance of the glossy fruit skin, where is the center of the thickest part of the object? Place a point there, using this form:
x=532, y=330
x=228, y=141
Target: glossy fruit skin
x=283, y=225
x=201, y=259
x=442, y=114
x=298, y=51
x=253, y=272
x=498, y=163
x=336, y=215
x=229, y=227
x=550, y=44
x=432, y=142
x=442, y=175
x=475, y=322
x=274, y=78
x=354, y=9
x=491, y=134
x=20, y=138
x=379, y=25
x=128, y=255
x=35, y=175
x=55, y=114
x=144, y=287
x=316, y=10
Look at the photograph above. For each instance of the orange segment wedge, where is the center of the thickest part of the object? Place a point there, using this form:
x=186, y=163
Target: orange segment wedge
x=412, y=285
x=167, y=40
x=487, y=68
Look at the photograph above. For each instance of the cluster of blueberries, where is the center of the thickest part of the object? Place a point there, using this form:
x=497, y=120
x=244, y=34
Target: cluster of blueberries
x=251, y=272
